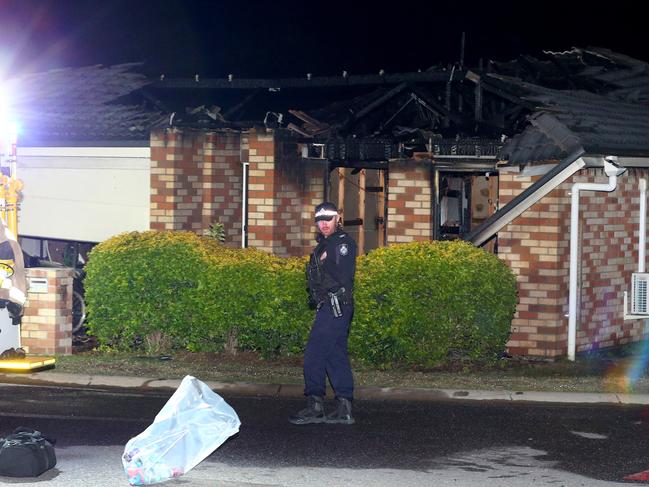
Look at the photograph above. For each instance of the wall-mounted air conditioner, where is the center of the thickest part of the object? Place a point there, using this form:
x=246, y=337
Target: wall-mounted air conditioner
x=639, y=287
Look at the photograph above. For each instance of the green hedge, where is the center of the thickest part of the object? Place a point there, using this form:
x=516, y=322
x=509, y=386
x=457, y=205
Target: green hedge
x=425, y=302
x=163, y=290
x=416, y=304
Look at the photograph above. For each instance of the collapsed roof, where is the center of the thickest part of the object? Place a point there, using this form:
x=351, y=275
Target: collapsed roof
x=591, y=99
x=544, y=108
x=525, y=110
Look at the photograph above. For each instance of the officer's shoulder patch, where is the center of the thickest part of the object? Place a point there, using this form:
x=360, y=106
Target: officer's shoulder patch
x=343, y=249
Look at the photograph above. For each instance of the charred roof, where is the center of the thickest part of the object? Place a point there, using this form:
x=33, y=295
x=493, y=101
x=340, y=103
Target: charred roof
x=541, y=107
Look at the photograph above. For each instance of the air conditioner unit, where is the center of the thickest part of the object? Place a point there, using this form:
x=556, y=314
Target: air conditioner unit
x=639, y=287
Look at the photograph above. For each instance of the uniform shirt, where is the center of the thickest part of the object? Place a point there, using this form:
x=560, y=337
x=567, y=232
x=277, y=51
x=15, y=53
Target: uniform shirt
x=340, y=258
x=335, y=258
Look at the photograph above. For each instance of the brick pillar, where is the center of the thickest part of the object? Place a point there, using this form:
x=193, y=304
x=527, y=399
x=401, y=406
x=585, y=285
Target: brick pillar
x=221, y=182
x=196, y=180
x=313, y=195
x=172, y=202
x=299, y=187
x=47, y=321
x=262, y=205
x=282, y=193
x=409, y=202
x=536, y=245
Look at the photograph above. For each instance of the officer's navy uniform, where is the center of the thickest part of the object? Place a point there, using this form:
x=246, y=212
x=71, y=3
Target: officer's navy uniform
x=330, y=273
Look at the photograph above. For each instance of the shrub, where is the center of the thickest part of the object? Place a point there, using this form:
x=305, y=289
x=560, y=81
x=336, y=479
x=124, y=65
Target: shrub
x=424, y=302
x=416, y=304
x=217, y=231
x=196, y=293
x=252, y=304
x=138, y=284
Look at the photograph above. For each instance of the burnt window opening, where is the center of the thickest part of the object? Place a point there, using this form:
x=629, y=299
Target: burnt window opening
x=465, y=200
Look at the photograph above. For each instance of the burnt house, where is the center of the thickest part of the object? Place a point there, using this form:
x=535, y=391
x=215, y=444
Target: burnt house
x=361, y=141
x=489, y=154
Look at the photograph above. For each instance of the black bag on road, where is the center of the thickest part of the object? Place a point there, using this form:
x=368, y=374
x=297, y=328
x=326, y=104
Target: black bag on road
x=26, y=453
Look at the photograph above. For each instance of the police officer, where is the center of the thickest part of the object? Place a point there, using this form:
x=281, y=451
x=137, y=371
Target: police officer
x=330, y=279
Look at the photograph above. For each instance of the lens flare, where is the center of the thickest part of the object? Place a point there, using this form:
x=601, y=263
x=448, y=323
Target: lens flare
x=8, y=127
x=638, y=365
x=625, y=375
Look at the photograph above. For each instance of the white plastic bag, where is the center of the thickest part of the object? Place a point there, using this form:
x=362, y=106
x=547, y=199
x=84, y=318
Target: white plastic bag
x=194, y=422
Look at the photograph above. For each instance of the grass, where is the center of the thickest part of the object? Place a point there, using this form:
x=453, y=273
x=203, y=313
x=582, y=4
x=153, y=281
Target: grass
x=602, y=372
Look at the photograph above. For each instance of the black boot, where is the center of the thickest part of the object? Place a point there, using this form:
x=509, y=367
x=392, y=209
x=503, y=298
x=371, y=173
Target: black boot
x=343, y=412
x=313, y=413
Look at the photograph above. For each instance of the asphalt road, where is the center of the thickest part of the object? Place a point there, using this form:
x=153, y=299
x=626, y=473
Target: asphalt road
x=393, y=443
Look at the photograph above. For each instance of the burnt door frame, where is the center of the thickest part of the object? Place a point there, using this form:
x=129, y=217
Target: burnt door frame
x=382, y=187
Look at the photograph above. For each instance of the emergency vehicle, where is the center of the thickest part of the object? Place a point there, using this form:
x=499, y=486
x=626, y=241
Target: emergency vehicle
x=13, y=283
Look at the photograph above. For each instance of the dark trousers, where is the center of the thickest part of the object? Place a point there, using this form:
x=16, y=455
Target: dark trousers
x=326, y=354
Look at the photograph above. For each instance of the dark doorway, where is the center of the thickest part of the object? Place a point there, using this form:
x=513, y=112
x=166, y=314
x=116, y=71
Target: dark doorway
x=360, y=197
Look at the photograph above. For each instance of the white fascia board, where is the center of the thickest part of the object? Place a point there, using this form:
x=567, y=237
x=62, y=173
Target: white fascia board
x=535, y=170
x=112, y=152
x=633, y=161
x=598, y=161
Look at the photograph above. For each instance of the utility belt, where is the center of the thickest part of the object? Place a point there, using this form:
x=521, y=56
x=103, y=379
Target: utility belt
x=336, y=300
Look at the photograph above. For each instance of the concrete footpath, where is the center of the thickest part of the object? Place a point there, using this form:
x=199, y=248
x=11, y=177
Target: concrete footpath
x=50, y=378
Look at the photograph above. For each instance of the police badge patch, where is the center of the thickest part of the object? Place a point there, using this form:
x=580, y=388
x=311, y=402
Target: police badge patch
x=342, y=249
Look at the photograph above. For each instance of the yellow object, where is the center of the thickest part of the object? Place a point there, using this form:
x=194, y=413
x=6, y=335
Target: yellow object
x=10, y=189
x=27, y=364
x=6, y=268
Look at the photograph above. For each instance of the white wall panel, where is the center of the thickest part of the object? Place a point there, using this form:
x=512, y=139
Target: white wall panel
x=87, y=194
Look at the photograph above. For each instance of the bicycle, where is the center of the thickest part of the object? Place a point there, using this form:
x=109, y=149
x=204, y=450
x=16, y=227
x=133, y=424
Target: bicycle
x=78, y=303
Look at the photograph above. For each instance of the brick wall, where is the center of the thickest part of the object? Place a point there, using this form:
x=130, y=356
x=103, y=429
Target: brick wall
x=282, y=192
x=262, y=204
x=300, y=187
x=196, y=179
x=47, y=320
x=536, y=246
x=409, y=202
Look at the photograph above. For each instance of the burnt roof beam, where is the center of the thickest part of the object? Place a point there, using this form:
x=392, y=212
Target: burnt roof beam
x=379, y=101
x=355, y=117
x=357, y=164
x=485, y=85
x=394, y=115
x=423, y=100
x=437, y=107
x=314, y=82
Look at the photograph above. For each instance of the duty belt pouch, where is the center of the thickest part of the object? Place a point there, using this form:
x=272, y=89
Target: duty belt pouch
x=335, y=303
x=26, y=453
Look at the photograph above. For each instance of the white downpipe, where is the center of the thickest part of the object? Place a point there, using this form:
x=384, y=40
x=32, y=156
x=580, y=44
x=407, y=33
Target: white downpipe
x=612, y=171
x=643, y=225
x=244, y=205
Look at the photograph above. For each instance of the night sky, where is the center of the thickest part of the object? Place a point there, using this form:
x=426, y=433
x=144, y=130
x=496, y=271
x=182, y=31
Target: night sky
x=288, y=38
